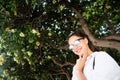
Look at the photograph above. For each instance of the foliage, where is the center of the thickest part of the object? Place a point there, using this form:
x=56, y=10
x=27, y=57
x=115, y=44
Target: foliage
x=33, y=35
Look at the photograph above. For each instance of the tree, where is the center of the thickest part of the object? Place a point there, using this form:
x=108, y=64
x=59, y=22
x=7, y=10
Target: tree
x=33, y=35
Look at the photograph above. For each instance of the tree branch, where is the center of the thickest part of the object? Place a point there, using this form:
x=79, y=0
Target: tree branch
x=100, y=43
x=61, y=65
x=65, y=47
x=113, y=37
x=64, y=73
x=106, y=17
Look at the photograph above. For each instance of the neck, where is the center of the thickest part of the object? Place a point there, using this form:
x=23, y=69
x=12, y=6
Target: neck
x=90, y=52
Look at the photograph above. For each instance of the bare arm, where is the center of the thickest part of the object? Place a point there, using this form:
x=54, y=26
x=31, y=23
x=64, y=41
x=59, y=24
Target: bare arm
x=80, y=76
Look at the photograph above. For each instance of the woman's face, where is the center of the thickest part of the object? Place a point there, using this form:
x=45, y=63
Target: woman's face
x=78, y=45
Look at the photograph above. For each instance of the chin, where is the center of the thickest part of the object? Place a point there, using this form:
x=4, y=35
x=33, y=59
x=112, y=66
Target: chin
x=79, y=54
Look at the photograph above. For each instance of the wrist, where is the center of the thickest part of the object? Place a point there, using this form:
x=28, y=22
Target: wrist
x=78, y=69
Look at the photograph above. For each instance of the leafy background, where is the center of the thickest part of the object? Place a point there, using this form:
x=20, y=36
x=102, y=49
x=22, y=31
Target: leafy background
x=33, y=35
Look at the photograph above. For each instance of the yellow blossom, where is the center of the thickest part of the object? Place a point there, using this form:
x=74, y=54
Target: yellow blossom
x=1, y=62
x=49, y=34
x=16, y=60
x=1, y=40
x=13, y=30
x=1, y=58
x=22, y=34
x=49, y=57
x=38, y=34
x=7, y=29
x=4, y=46
x=30, y=40
x=38, y=43
x=40, y=63
x=12, y=69
x=61, y=7
x=34, y=31
x=53, y=1
x=25, y=57
x=29, y=53
x=15, y=54
x=0, y=46
x=30, y=62
x=15, y=13
x=4, y=71
x=23, y=50
x=8, y=53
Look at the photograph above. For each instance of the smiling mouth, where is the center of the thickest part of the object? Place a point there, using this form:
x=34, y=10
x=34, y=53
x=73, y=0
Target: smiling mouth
x=78, y=50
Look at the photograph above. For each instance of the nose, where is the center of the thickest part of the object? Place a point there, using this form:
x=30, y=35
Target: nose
x=75, y=49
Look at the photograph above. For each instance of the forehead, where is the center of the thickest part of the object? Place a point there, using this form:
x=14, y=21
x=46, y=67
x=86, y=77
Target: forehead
x=72, y=39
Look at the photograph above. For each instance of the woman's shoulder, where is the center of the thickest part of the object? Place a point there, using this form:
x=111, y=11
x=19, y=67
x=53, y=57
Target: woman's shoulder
x=104, y=57
x=100, y=53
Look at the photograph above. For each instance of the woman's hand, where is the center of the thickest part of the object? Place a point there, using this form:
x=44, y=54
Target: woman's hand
x=78, y=69
x=79, y=66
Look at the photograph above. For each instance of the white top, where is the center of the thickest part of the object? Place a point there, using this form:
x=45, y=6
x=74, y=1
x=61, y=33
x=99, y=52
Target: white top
x=100, y=66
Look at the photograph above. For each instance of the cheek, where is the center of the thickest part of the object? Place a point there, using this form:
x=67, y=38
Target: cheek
x=84, y=50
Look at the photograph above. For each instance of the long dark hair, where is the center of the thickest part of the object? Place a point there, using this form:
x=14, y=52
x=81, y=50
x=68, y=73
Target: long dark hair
x=80, y=33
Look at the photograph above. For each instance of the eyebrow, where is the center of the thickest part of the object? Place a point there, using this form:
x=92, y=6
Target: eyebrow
x=77, y=39
x=80, y=38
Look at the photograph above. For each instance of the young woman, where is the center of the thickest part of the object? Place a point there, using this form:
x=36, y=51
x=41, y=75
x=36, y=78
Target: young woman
x=91, y=65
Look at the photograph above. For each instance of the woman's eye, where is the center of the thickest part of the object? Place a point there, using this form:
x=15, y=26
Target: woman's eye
x=77, y=42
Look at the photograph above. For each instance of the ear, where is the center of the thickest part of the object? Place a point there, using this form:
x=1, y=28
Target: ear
x=86, y=40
